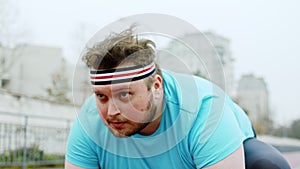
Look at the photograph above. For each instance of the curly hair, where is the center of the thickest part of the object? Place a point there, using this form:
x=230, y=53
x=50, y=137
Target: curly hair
x=118, y=49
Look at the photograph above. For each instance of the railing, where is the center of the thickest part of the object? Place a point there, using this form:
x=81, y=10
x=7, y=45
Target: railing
x=31, y=140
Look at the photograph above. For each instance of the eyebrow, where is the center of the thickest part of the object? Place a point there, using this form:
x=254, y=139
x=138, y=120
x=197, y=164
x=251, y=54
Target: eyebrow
x=121, y=88
x=113, y=89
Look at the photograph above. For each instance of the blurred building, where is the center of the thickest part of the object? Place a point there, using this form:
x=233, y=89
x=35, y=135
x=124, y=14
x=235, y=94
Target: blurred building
x=253, y=97
x=207, y=55
x=30, y=69
x=42, y=72
x=222, y=47
x=36, y=94
x=28, y=74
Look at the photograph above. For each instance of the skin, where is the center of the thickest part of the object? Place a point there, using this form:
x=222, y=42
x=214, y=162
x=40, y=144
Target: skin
x=236, y=160
x=130, y=108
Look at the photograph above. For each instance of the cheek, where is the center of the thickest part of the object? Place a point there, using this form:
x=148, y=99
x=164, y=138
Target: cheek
x=102, y=115
x=102, y=109
x=136, y=111
x=141, y=106
x=141, y=103
x=138, y=105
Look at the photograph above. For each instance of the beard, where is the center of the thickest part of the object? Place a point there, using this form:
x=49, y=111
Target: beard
x=131, y=127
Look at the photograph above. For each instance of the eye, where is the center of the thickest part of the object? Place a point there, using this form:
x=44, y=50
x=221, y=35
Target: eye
x=101, y=97
x=124, y=95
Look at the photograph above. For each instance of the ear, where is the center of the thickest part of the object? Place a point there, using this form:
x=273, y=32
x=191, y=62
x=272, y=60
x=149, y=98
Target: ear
x=157, y=82
x=157, y=86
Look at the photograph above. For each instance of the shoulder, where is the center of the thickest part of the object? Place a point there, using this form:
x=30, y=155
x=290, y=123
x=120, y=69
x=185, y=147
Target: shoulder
x=87, y=118
x=90, y=120
x=80, y=149
x=189, y=91
x=89, y=105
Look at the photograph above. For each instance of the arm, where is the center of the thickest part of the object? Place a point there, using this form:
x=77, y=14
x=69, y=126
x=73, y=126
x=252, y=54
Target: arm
x=81, y=150
x=71, y=166
x=233, y=161
x=217, y=137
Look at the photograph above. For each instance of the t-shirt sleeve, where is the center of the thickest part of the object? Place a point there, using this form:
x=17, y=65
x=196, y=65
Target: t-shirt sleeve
x=81, y=150
x=216, y=132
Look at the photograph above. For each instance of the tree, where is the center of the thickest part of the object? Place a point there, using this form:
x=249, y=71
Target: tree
x=263, y=126
x=59, y=89
x=295, y=129
x=200, y=74
x=281, y=131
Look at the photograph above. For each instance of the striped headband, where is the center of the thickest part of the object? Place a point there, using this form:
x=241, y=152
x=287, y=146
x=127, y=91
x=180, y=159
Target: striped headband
x=121, y=75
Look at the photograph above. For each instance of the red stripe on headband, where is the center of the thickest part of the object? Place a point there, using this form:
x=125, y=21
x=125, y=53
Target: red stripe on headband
x=100, y=76
x=120, y=75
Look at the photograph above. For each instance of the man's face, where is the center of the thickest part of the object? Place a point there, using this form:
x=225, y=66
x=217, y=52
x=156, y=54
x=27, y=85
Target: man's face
x=126, y=108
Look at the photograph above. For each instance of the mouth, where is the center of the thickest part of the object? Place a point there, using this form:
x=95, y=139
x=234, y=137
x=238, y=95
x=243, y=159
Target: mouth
x=117, y=125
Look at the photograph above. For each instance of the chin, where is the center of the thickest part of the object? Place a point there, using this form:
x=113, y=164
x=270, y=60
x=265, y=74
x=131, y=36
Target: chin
x=119, y=134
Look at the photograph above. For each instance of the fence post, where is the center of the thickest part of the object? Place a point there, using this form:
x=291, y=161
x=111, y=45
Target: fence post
x=24, y=166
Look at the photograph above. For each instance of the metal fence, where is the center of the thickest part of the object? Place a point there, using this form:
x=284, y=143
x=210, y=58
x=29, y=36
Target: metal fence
x=31, y=140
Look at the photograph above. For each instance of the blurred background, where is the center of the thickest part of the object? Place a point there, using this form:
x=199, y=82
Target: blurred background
x=41, y=41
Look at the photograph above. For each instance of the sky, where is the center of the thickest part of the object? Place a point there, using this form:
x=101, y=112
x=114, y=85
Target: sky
x=264, y=35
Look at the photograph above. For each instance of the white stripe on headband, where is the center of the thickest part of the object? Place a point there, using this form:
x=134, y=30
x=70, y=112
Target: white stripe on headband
x=121, y=75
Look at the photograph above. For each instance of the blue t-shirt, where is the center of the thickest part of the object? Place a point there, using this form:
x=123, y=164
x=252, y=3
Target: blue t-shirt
x=200, y=126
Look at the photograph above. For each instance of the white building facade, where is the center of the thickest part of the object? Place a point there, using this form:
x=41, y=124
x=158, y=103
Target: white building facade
x=30, y=71
x=252, y=96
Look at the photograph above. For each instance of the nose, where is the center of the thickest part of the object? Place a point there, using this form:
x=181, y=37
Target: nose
x=112, y=109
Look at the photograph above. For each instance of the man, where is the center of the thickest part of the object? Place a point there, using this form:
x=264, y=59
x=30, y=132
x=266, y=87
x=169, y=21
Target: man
x=143, y=117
